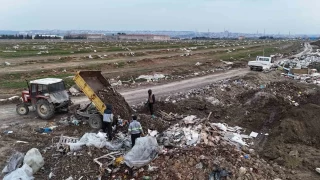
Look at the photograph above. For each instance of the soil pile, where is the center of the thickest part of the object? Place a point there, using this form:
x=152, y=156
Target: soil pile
x=119, y=104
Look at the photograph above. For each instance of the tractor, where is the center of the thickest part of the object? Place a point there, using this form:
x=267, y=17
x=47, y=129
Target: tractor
x=47, y=96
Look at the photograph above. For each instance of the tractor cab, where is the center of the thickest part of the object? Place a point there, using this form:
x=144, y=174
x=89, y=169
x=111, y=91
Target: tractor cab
x=46, y=96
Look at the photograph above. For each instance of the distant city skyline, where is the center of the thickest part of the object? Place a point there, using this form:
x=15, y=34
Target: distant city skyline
x=243, y=16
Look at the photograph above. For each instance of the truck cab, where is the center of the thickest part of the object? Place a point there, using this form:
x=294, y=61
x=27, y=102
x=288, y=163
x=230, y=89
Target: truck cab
x=261, y=63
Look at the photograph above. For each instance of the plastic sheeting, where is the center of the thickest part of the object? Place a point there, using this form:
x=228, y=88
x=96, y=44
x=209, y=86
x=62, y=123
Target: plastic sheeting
x=23, y=173
x=15, y=162
x=142, y=153
x=34, y=159
x=92, y=139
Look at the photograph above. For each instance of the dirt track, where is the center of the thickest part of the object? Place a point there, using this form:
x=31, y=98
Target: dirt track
x=133, y=96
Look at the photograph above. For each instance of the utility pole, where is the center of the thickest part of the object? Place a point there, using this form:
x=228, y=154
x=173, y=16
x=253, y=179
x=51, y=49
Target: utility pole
x=264, y=34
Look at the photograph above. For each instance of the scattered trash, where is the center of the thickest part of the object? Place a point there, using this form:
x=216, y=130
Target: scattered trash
x=318, y=170
x=34, y=159
x=199, y=166
x=146, y=178
x=44, y=130
x=253, y=134
x=154, y=77
x=51, y=175
x=152, y=168
x=15, y=161
x=8, y=132
x=242, y=171
x=220, y=126
x=23, y=173
x=70, y=178
x=7, y=63
x=198, y=64
x=189, y=119
x=219, y=174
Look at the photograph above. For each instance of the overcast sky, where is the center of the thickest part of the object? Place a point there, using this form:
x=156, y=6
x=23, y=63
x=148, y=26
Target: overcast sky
x=297, y=16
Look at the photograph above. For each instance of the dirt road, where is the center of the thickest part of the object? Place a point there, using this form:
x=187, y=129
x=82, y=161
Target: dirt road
x=134, y=96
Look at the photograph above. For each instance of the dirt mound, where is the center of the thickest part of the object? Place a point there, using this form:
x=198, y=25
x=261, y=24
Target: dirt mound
x=119, y=104
x=147, y=122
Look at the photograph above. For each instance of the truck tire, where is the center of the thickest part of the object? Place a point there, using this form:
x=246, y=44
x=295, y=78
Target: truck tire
x=95, y=121
x=22, y=109
x=45, y=110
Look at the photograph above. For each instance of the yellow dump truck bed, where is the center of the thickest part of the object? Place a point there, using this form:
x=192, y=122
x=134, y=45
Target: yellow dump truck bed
x=91, y=82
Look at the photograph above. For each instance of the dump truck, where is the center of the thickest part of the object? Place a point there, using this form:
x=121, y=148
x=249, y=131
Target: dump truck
x=90, y=83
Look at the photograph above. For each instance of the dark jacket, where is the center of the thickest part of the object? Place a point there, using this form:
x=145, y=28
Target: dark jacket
x=108, y=110
x=151, y=99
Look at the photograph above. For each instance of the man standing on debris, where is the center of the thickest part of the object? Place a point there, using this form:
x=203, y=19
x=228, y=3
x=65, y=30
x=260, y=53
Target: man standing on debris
x=107, y=120
x=135, y=130
x=151, y=100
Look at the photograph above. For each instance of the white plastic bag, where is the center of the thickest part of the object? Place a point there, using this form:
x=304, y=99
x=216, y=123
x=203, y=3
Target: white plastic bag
x=23, y=173
x=92, y=139
x=142, y=153
x=15, y=162
x=220, y=126
x=114, y=146
x=34, y=159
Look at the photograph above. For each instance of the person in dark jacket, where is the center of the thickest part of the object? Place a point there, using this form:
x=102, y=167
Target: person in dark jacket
x=135, y=130
x=107, y=121
x=151, y=101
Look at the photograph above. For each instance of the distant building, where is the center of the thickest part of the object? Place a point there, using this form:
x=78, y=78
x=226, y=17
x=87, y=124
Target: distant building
x=95, y=36
x=143, y=37
x=241, y=37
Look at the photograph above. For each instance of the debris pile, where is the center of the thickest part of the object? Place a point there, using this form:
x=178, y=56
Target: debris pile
x=119, y=104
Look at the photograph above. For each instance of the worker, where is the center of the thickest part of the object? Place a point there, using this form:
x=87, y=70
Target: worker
x=135, y=130
x=151, y=101
x=107, y=120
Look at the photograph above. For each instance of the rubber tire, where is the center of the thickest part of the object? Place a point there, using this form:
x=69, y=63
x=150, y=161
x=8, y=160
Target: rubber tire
x=95, y=121
x=26, y=109
x=49, y=106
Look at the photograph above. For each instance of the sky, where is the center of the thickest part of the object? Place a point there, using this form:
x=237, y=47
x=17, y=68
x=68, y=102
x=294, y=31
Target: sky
x=246, y=16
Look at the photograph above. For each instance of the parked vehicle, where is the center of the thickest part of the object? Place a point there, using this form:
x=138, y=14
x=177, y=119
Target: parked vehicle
x=47, y=96
x=261, y=63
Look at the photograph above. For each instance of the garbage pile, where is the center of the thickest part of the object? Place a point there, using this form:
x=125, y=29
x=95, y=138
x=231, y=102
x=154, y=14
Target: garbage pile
x=32, y=162
x=192, y=131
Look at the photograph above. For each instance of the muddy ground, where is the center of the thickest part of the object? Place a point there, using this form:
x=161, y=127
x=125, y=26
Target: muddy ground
x=260, y=102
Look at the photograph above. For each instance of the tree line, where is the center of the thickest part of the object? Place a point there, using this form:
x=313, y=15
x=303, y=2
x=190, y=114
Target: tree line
x=19, y=36
x=5, y=36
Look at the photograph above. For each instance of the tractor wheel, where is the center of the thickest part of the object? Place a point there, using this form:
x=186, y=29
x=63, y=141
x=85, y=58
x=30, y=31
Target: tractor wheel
x=95, y=121
x=45, y=109
x=22, y=109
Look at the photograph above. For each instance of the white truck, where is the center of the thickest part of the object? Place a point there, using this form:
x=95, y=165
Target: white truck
x=261, y=63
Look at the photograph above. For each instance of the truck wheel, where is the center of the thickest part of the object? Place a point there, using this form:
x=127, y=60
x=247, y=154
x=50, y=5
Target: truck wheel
x=22, y=109
x=45, y=109
x=95, y=121
x=251, y=68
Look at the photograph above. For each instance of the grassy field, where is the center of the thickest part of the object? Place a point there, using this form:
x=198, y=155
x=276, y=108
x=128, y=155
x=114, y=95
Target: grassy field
x=31, y=49
x=15, y=82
